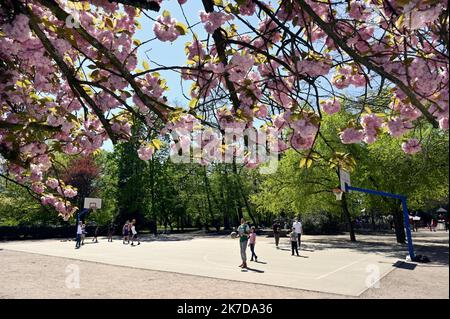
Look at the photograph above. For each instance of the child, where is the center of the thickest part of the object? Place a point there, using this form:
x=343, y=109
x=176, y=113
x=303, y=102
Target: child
x=95, y=234
x=252, y=242
x=125, y=232
x=134, y=233
x=293, y=237
x=110, y=232
x=79, y=233
x=83, y=233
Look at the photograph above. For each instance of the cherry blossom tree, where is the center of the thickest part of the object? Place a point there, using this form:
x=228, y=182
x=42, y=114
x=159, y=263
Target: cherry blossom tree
x=69, y=75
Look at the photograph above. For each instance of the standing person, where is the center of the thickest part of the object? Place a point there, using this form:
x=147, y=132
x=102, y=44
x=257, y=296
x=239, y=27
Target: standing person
x=252, y=242
x=433, y=224
x=94, y=239
x=79, y=233
x=134, y=233
x=243, y=231
x=298, y=230
x=129, y=231
x=276, y=232
x=110, y=232
x=125, y=232
x=293, y=237
x=83, y=233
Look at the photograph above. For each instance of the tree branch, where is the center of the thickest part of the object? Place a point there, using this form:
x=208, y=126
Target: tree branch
x=328, y=29
x=220, y=43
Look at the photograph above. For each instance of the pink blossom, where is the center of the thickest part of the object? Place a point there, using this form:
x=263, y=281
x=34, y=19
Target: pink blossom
x=48, y=200
x=52, y=183
x=331, y=106
x=214, y=20
x=248, y=8
x=300, y=142
x=279, y=122
x=70, y=192
x=145, y=152
x=165, y=29
x=351, y=135
x=70, y=149
x=412, y=146
x=38, y=188
x=396, y=127
x=443, y=123
x=358, y=10
x=19, y=28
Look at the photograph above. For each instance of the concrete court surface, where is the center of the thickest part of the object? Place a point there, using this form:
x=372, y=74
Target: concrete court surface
x=329, y=264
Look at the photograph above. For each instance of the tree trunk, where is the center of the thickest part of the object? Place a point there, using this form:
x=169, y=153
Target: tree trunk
x=373, y=221
x=236, y=191
x=247, y=205
x=208, y=197
x=347, y=217
x=399, y=226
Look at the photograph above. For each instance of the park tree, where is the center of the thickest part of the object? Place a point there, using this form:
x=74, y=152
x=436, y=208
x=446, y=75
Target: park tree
x=82, y=173
x=422, y=178
x=70, y=78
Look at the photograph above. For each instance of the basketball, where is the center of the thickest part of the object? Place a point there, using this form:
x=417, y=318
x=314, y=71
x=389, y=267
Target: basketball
x=233, y=235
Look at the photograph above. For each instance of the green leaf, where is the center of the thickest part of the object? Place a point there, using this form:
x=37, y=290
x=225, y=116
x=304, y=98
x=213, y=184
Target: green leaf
x=137, y=24
x=181, y=27
x=109, y=23
x=166, y=14
x=156, y=143
x=193, y=103
x=146, y=65
x=94, y=73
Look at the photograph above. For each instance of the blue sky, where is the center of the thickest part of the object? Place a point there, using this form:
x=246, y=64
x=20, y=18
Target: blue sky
x=168, y=53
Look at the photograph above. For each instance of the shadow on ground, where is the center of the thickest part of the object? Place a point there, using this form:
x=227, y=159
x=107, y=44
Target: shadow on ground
x=436, y=249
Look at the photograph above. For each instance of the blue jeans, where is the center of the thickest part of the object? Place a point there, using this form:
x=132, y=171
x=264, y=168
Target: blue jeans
x=252, y=248
x=78, y=243
x=243, y=245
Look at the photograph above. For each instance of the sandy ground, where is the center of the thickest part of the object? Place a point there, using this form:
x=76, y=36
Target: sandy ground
x=28, y=275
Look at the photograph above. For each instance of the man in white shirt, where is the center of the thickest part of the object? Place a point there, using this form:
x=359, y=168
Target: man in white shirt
x=298, y=230
x=79, y=233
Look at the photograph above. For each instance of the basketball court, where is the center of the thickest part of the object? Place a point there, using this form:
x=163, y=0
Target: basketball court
x=338, y=269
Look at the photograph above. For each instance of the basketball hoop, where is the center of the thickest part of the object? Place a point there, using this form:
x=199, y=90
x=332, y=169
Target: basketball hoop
x=92, y=203
x=338, y=193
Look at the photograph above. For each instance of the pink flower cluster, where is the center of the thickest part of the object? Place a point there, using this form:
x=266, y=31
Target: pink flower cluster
x=145, y=152
x=411, y=146
x=331, y=106
x=164, y=28
x=397, y=127
x=351, y=135
x=214, y=20
x=248, y=8
x=347, y=76
x=371, y=124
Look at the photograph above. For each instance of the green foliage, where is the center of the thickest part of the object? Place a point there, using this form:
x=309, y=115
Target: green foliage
x=18, y=207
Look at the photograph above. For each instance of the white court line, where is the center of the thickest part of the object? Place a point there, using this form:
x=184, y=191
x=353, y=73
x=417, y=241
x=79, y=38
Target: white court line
x=339, y=269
